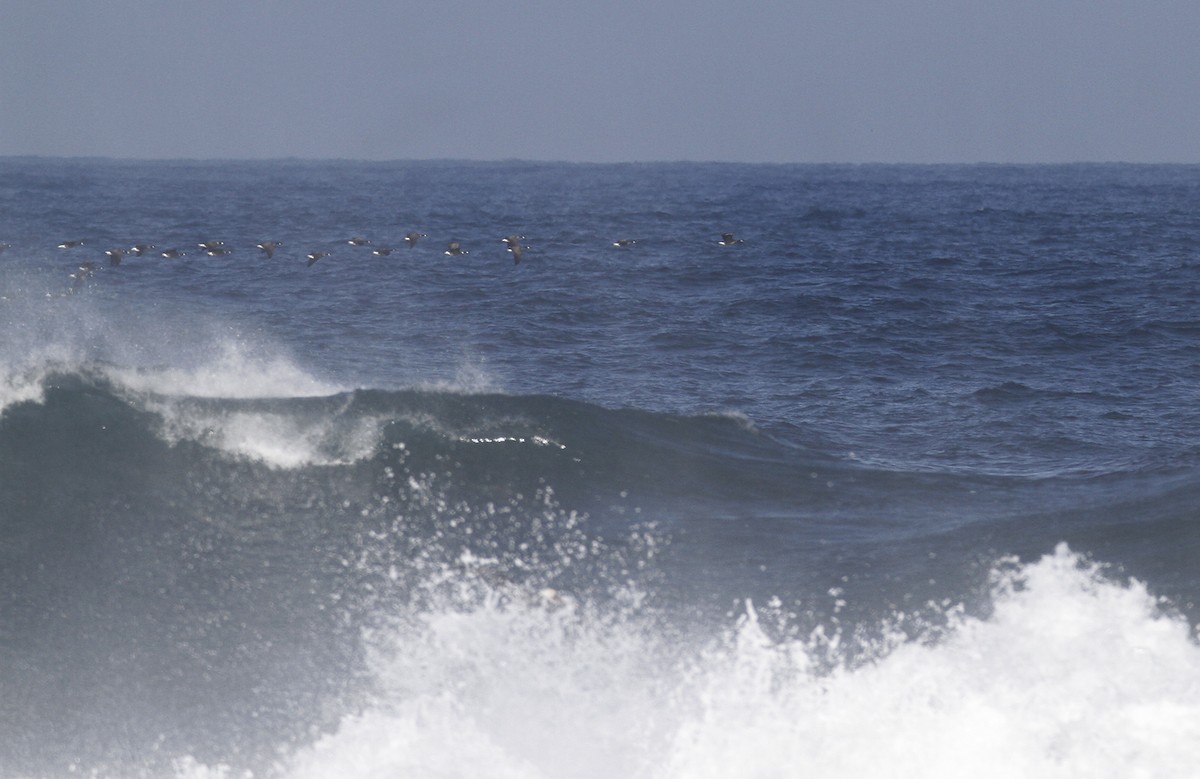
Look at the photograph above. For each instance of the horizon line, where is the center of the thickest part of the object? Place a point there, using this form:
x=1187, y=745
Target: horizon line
x=534, y=161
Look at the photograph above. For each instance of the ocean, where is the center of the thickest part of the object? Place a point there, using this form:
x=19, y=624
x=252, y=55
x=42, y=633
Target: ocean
x=902, y=479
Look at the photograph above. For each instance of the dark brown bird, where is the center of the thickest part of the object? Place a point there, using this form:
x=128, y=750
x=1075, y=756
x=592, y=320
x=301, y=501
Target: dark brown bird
x=413, y=237
x=358, y=242
x=114, y=256
x=455, y=249
x=140, y=249
x=514, y=246
x=624, y=243
x=727, y=239
x=171, y=254
x=381, y=251
x=268, y=247
x=70, y=244
x=315, y=256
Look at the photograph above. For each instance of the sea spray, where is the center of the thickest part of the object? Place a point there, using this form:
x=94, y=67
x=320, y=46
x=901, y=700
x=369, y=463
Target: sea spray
x=1071, y=675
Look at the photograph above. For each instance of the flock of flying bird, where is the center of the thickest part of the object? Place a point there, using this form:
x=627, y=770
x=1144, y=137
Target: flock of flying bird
x=267, y=248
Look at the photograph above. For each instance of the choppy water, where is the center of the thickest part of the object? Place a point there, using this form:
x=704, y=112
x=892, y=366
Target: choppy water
x=904, y=484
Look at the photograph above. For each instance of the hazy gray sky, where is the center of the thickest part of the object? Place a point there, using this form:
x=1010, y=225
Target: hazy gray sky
x=605, y=80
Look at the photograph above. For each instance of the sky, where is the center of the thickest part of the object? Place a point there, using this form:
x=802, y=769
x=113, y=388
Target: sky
x=853, y=81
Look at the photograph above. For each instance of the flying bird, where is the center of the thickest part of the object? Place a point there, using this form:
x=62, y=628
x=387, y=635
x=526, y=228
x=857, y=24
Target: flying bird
x=727, y=239
x=381, y=251
x=313, y=257
x=454, y=248
x=514, y=246
x=624, y=243
x=70, y=244
x=140, y=249
x=171, y=254
x=114, y=256
x=268, y=247
x=356, y=241
x=209, y=246
x=412, y=238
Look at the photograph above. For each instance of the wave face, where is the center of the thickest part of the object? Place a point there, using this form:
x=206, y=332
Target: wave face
x=432, y=582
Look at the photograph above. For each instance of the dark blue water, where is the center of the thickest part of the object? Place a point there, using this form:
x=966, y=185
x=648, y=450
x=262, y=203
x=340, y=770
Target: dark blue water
x=914, y=462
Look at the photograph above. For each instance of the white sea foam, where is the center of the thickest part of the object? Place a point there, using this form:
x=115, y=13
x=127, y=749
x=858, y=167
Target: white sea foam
x=276, y=437
x=232, y=370
x=224, y=370
x=164, y=363
x=19, y=386
x=24, y=367
x=165, y=379
x=1072, y=675
x=181, y=354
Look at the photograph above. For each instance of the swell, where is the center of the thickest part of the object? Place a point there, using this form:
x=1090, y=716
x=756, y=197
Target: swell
x=98, y=432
